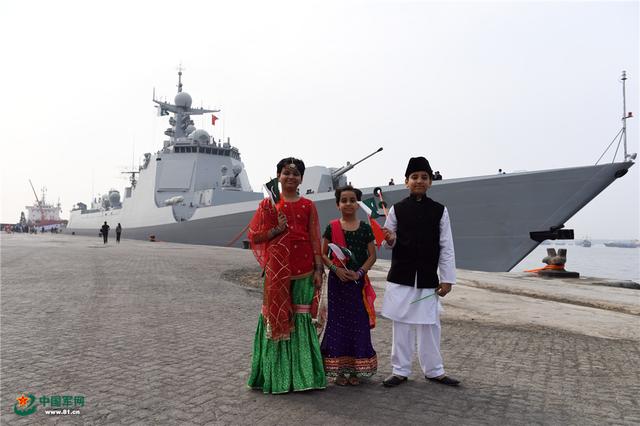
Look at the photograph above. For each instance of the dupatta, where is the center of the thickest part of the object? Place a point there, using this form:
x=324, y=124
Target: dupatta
x=273, y=257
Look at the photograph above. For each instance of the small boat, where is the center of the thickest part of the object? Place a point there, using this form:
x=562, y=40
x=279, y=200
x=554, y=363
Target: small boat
x=623, y=244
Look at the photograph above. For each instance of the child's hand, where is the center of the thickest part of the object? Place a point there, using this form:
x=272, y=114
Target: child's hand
x=343, y=274
x=389, y=236
x=443, y=289
x=317, y=279
x=353, y=275
x=282, y=221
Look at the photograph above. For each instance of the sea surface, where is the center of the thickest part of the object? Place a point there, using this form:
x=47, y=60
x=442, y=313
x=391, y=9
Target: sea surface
x=595, y=261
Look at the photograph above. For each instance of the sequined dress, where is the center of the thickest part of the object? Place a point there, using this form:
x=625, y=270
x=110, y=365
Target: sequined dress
x=293, y=363
x=346, y=345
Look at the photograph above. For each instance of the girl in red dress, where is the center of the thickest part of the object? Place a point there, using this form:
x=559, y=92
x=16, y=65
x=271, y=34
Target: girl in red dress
x=285, y=237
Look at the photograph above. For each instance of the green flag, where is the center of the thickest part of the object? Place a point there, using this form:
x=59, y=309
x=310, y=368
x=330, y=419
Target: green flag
x=373, y=205
x=273, y=190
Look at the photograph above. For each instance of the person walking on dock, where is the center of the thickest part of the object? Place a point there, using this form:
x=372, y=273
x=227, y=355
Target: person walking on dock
x=105, y=232
x=118, y=232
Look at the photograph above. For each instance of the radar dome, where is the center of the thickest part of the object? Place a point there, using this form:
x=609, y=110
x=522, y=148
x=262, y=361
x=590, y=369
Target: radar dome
x=114, y=197
x=200, y=136
x=183, y=99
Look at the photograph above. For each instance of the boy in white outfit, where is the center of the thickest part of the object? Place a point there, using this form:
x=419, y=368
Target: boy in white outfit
x=419, y=232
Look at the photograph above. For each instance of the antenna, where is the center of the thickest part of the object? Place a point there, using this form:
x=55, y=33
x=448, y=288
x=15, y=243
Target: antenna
x=132, y=177
x=624, y=112
x=180, y=77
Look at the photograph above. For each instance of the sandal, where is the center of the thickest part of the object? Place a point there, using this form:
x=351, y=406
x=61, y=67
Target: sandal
x=354, y=381
x=341, y=381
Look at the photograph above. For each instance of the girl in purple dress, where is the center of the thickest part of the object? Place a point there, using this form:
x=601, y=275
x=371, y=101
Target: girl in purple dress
x=346, y=346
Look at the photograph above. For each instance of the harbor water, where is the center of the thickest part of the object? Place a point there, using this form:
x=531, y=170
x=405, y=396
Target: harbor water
x=595, y=261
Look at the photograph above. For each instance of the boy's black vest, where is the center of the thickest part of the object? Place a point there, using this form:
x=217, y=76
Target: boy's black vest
x=417, y=248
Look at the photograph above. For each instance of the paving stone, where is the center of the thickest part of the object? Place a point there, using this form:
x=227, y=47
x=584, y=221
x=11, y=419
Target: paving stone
x=158, y=333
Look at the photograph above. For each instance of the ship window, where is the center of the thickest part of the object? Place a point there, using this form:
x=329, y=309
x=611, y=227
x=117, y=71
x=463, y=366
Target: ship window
x=215, y=151
x=226, y=153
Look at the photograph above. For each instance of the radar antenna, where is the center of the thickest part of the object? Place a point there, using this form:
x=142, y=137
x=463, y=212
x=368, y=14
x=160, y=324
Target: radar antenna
x=180, y=68
x=132, y=177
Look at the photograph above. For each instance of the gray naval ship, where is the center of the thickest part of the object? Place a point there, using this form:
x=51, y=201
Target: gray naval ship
x=196, y=190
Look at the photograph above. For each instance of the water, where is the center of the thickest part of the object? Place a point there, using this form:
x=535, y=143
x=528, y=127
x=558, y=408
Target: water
x=595, y=261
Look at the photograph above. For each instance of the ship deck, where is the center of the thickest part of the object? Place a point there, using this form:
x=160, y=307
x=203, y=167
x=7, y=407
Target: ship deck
x=161, y=333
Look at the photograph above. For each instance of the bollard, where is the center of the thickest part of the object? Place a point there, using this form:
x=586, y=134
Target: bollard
x=152, y=238
x=555, y=265
x=246, y=244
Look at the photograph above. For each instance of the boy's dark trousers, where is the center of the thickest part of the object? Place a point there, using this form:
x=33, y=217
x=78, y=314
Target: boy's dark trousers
x=118, y=237
x=105, y=236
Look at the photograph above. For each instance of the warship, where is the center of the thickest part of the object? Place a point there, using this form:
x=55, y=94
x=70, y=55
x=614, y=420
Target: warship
x=196, y=190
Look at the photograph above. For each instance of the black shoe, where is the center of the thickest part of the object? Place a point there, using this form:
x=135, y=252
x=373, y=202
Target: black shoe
x=444, y=380
x=393, y=381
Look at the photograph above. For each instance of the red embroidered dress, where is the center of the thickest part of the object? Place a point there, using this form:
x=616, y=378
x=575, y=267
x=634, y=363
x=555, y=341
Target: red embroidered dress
x=286, y=352
x=287, y=257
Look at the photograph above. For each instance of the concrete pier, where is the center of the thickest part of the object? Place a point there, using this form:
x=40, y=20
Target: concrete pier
x=160, y=333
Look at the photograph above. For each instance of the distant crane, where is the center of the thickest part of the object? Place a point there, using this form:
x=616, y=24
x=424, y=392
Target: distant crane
x=38, y=201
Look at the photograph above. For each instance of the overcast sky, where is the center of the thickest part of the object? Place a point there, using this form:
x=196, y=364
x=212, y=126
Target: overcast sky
x=473, y=86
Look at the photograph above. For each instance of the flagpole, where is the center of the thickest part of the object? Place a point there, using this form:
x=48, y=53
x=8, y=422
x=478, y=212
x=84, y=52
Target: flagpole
x=378, y=193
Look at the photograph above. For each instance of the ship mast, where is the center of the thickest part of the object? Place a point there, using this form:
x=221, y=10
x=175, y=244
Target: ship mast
x=624, y=112
x=625, y=116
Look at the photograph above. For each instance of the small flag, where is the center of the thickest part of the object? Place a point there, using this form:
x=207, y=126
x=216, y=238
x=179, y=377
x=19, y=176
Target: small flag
x=213, y=120
x=342, y=253
x=378, y=233
x=373, y=207
x=272, y=190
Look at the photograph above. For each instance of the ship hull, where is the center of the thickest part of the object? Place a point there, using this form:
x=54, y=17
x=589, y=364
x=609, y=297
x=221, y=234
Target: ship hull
x=491, y=216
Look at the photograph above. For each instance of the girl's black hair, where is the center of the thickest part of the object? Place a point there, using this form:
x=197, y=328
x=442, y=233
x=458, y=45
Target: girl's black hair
x=298, y=163
x=340, y=190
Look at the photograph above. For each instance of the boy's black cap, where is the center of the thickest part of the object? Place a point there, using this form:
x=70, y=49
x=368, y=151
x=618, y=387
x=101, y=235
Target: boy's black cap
x=418, y=164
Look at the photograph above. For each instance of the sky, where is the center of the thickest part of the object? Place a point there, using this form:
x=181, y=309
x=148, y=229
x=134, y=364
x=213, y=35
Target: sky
x=473, y=86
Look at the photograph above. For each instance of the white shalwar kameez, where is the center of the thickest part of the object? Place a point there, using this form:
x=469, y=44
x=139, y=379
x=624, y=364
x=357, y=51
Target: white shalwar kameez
x=420, y=319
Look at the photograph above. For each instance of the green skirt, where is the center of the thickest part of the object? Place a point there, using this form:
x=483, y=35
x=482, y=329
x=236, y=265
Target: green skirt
x=289, y=365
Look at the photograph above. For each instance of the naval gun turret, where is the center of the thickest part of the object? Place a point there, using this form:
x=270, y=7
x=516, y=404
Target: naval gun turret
x=323, y=179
